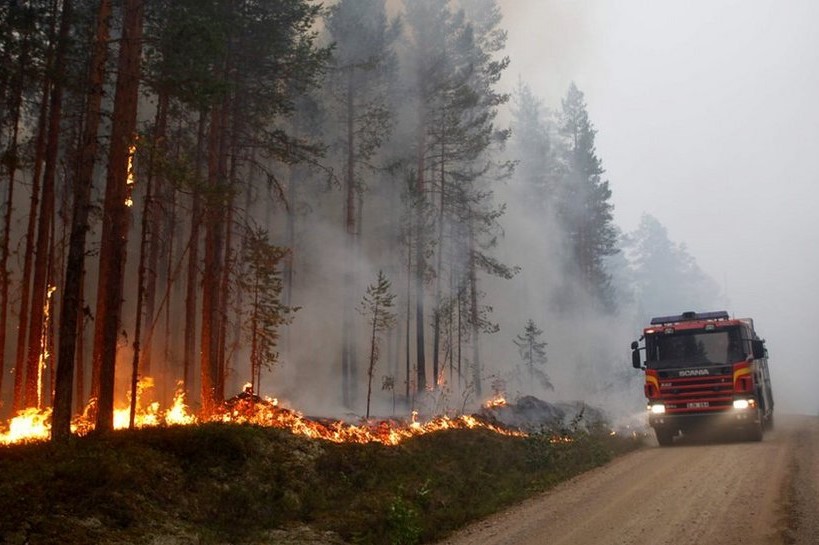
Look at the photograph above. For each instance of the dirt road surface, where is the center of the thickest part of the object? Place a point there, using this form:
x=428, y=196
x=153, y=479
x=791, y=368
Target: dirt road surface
x=696, y=492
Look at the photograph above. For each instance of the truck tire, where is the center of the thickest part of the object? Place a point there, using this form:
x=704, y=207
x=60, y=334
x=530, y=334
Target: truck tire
x=665, y=436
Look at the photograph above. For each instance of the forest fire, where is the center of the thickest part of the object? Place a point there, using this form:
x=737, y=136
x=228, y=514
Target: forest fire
x=497, y=401
x=246, y=408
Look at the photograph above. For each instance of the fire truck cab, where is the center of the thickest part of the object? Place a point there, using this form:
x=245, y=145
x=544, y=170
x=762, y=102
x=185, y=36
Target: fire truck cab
x=704, y=370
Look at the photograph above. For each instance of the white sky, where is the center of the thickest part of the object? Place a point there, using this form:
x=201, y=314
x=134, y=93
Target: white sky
x=708, y=118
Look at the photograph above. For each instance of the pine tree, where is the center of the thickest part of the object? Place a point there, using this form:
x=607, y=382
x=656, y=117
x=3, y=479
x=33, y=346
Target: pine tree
x=376, y=306
x=533, y=354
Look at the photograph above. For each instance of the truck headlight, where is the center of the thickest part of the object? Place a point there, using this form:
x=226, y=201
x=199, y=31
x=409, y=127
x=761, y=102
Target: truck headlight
x=741, y=404
x=658, y=408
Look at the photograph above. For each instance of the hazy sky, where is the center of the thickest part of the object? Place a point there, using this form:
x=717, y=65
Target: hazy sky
x=708, y=119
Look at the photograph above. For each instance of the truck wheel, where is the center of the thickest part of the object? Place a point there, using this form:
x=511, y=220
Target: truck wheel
x=769, y=422
x=665, y=436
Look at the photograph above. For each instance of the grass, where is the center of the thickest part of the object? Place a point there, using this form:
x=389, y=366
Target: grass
x=219, y=483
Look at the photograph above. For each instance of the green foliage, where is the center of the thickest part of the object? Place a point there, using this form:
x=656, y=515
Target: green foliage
x=403, y=526
x=376, y=307
x=533, y=353
x=264, y=312
x=376, y=304
x=228, y=483
x=584, y=204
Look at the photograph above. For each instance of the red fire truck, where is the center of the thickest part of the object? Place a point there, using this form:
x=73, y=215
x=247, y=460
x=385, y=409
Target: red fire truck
x=704, y=369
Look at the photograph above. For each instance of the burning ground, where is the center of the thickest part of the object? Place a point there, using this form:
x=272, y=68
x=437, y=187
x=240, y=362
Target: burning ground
x=221, y=482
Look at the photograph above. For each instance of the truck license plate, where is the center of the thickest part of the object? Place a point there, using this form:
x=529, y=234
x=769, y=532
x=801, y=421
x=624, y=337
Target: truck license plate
x=697, y=404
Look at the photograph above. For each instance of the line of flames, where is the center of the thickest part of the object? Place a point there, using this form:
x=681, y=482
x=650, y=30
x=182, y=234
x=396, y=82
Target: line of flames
x=34, y=424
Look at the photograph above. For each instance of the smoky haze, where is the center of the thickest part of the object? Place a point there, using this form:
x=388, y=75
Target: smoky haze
x=706, y=118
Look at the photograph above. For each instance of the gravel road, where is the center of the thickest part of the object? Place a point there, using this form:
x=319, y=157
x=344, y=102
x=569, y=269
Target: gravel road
x=696, y=492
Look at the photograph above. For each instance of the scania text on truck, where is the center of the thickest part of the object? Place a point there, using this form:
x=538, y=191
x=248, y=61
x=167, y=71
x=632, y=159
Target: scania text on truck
x=705, y=370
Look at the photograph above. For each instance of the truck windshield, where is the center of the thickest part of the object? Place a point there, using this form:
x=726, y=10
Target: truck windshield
x=694, y=348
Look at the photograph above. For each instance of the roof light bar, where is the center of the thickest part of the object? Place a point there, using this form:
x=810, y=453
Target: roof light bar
x=689, y=316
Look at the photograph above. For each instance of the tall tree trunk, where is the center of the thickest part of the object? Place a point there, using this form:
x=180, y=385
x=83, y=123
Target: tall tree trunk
x=407, y=323
x=72, y=313
x=116, y=213
x=16, y=111
x=152, y=235
x=60, y=395
x=39, y=288
x=474, y=314
x=25, y=282
x=348, y=356
x=192, y=284
x=146, y=234
x=439, y=270
x=214, y=246
x=420, y=263
x=223, y=367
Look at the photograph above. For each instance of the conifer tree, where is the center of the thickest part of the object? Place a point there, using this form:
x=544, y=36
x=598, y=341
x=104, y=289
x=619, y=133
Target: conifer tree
x=533, y=354
x=264, y=311
x=358, y=83
x=376, y=306
x=585, y=206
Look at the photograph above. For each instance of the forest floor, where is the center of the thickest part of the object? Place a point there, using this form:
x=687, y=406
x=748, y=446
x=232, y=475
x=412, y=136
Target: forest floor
x=240, y=484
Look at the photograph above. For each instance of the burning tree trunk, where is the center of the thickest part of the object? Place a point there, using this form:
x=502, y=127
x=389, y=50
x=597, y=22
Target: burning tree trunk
x=72, y=315
x=116, y=212
x=25, y=283
x=40, y=288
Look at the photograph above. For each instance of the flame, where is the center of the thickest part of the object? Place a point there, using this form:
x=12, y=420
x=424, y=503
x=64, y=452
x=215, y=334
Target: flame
x=131, y=180
x=497, y=401
x=30, y=424
x=248, y=408
x=44, y=353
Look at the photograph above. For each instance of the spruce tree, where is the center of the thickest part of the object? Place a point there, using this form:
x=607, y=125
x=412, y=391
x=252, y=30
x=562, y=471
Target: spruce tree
x=585, y=206
x=533, y=354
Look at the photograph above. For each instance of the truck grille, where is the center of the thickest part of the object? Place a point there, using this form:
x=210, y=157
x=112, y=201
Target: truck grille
x=707, y=393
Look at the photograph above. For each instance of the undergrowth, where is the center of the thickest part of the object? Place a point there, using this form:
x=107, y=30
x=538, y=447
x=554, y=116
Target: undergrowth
x=218, y=483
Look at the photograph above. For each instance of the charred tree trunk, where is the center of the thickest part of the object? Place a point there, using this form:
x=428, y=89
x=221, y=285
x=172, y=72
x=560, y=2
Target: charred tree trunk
x=116, y=213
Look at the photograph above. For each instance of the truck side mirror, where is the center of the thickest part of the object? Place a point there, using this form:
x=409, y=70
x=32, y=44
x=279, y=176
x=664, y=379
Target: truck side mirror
x=759, y=349
x=635, y=355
